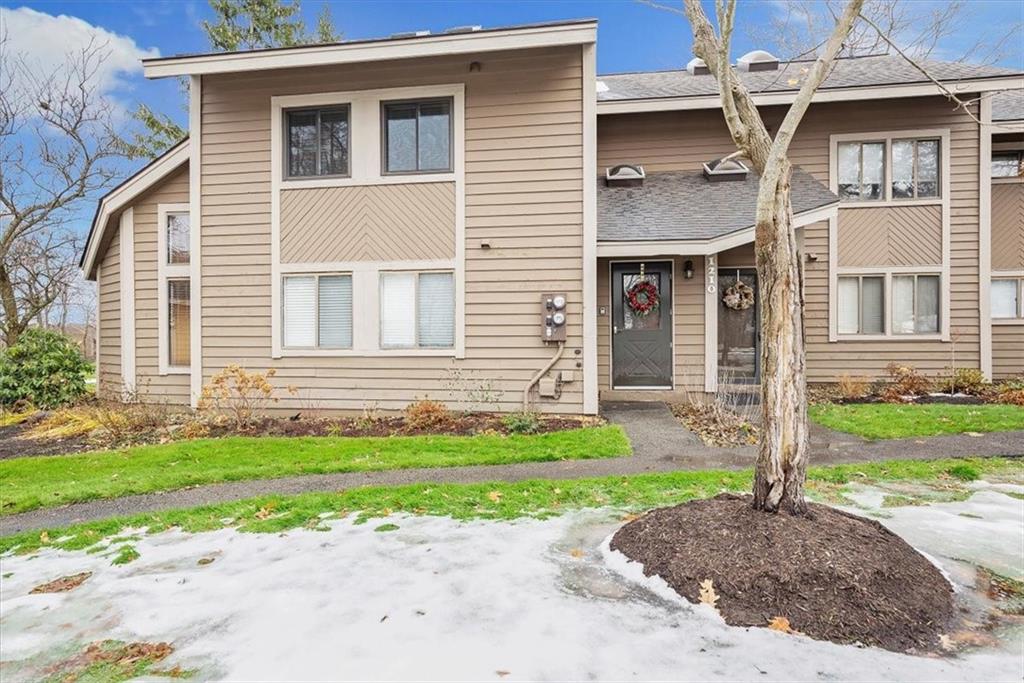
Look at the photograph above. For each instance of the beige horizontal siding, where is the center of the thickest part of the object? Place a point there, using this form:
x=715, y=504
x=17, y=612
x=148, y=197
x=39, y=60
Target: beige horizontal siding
x=664, y=141
x=1008, y=226
x=410, y=222
x=523, y=189
x=172, y=389
x=108, y=378
x=1007, y=351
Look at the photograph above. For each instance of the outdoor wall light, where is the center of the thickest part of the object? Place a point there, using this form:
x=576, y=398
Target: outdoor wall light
x=688, y=270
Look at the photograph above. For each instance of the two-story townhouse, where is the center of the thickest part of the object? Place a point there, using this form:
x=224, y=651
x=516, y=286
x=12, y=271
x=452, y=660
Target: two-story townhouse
x=477, y=217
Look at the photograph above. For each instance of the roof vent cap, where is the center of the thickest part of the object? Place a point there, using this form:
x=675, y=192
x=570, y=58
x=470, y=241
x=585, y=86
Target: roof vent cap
x=410, y=34
x=697, y=67
x=758, y=60
x=463, y=29
x=726, y=168
x=624, y=175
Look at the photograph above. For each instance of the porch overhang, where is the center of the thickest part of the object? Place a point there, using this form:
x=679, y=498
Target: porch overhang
x=704, y=247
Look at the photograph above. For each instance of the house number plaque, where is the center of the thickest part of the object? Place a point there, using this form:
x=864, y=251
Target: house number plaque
x=712, y=274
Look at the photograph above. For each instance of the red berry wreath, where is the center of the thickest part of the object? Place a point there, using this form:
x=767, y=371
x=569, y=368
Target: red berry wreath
x=642, y=297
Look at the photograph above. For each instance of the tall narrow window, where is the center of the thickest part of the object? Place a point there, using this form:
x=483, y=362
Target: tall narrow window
x=417, y=310
x=173, y=288
x=177, y=238
x=915, y=304
x=317, y=311
x=417, y=136
x=915, y=169
x=861, y=170
x=179, y=322
x=318, y=142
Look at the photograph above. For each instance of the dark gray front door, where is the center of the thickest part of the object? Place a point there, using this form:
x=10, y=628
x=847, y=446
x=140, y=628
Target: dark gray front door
x=641, y=343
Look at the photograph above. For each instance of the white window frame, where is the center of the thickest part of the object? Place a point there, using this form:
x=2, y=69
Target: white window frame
x=416, y=308
x=316, y=311
x=941, y=269
x=1017, y=275
x=165, y=272
x=365, y=169
x=366, y=308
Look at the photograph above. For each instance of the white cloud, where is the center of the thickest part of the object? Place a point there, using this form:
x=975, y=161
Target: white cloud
x=43, y=40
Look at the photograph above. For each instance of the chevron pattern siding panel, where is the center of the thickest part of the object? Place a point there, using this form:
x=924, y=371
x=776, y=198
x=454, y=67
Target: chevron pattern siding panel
x=890, y=236
x=1008, y=226
x=368, y=223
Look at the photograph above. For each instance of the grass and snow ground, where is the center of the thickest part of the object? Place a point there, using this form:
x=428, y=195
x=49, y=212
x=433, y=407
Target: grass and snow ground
x=437, y=598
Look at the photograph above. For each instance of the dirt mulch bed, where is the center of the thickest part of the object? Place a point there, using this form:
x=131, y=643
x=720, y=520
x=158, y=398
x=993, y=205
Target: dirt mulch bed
x=715, y=425
x=12, y=445
x=15, y=442
x=833, y=575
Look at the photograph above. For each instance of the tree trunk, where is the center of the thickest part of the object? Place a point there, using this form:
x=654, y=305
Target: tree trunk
x=10, y=325
x=783, y=450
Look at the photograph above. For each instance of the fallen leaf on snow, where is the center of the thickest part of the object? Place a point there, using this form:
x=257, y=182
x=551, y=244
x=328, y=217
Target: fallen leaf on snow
x=708, y=596
x=502, y=674
x=204, y=560
x=63, y=584
x=576, y=552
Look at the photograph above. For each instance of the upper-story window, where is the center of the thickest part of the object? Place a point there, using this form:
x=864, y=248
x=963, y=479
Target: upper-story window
x=177, y=239
x=861, y=170
x=318, y=142
x=417, y=136
x=1007, y=164
x=915, y=169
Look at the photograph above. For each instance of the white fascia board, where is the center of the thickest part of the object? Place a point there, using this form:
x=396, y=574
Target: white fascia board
x=369, y=51
x=705, y=247
x=129, y=190
x=828, y=95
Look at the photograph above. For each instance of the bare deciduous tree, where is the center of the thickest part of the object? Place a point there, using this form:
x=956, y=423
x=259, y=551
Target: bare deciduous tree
x=783, y=451
x=57, y=150
x=799, y=30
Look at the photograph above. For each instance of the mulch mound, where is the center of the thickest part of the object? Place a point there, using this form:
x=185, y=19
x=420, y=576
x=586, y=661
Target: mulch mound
x=833, y=575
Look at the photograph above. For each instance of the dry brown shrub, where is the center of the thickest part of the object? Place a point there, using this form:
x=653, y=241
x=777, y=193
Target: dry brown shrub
x=1011, y=392
x=904, y=381
x=239, y=394
x=853, y=387
x=425, y=414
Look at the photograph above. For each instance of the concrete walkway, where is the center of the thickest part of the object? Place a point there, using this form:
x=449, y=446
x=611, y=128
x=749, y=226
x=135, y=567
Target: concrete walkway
x=660, y=444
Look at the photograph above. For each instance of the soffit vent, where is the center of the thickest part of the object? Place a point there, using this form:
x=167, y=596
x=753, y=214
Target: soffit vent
x=624, y=175
x=697, y=67
x=725, y=169
x=758, y=60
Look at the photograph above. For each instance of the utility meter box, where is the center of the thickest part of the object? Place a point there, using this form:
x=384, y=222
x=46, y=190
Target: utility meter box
x=552, y=317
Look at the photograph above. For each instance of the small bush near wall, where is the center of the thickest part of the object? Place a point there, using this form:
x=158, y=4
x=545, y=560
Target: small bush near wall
x=44, y=368
x=1011, y=392
x=906, y=382
x=425, y=414
x=964, y=381
x=239, y=395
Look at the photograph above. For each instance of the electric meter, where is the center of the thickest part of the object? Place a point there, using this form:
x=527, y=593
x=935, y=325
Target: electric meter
x=553, y=317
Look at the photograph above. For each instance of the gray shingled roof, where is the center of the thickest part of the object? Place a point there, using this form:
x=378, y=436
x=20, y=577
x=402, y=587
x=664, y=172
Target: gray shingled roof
x=683, y=205
x=1008, y=106
x=848, y=73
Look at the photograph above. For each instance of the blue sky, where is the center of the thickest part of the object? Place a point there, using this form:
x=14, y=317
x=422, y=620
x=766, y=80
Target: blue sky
x=632, y=36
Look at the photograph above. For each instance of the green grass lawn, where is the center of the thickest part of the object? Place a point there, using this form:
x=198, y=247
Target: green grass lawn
x=895, y=421
x=30, y=483
x=506, y=501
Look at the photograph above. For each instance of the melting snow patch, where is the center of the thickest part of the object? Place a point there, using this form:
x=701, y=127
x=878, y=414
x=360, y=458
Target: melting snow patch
x=439, y=599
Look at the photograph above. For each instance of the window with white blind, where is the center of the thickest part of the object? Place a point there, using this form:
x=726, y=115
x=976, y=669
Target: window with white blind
x=862, y=305
x=317, y=311
x=1007, y=298
x=915, y=304
x=417, y=310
